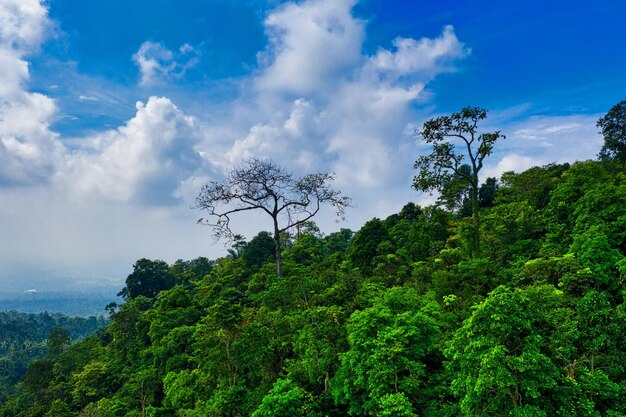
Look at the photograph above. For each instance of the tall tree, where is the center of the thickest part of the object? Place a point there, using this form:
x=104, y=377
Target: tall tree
x=262, y=185
x=148, y=279
x=613, y=125
x=446, y=162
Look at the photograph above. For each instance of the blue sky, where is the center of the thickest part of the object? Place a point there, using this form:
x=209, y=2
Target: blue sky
x=113, y=114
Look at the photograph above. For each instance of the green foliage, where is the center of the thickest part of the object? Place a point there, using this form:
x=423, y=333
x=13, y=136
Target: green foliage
x=182, y=389
x=285, y=399
x=560, y=214
x=593, y=251
x=38, y=375
x=512, y=231
x=259, y=250
x=186, y=272
x=613, y=125
x=58, y=341
x=60, y=408
x=401, y=318
x=532, y=186
x=395, y=405
x=444, y=169
x=93, y=382
x=148, y=279
x=504, y=357
x=365, y=244
x=388, y=343
x=27, y=337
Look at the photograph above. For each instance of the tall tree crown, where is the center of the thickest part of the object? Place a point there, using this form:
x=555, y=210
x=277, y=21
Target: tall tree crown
x=447, y=164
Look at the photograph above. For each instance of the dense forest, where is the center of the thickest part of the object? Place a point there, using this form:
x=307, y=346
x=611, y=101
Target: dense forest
x=26, y=337
x=504, y=298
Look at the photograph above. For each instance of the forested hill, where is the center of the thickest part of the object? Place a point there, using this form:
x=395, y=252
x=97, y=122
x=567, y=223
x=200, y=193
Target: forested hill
x=397, y=319
x=25, y=337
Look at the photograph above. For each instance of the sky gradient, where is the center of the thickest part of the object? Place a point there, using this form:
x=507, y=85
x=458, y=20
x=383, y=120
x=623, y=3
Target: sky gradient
x=114, y=114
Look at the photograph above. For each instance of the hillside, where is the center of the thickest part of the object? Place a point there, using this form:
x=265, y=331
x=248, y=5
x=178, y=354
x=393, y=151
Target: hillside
x=26, y=337
x=405, y=317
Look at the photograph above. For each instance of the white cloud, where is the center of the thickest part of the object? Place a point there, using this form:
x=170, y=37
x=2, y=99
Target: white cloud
x=311, y=44
x=556, y=138
x=146, y=159
x=23, y=25
x=291, y=139
x=509, y=162
x=157, y=63
x=428, y=56
x=541, y=140
x=362, y=103
x=317, y=102
x=28, y=149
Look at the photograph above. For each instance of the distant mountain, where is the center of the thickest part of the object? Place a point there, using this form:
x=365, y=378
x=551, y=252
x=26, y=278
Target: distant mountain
x=82, y=304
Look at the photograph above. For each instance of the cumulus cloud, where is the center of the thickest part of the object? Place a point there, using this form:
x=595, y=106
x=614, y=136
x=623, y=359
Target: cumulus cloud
x=292, y=137
x=509, y=162
x=23, y=25
x=311, y=44
x=157, y=63
x=28, y=149
x=358, y=105
x=146, y=160
x=426, y=56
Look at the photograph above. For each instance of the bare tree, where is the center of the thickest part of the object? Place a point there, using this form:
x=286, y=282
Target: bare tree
x=262, y=185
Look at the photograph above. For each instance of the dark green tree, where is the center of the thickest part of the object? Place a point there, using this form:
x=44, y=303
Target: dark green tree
x=411, y=211
x=533, y=185
x=58, y=341
x=259, y=250
x=38, y=375
x=388, y=346
x=446, y=162
x=148, y=279
x=487, y=192
x=237, y=246
x=613, y=125
x=186, y=271
x=454, y=193
x=365, y=243
x=60, y=408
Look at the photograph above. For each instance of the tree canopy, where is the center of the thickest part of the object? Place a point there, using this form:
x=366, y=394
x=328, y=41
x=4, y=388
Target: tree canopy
x=148, y=279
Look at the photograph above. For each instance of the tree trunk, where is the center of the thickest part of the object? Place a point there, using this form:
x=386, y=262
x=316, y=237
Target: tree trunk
x=279, y=270
x=475, y=250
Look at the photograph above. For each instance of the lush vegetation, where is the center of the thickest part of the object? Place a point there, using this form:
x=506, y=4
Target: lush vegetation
x=26, y=337
x=409, y=316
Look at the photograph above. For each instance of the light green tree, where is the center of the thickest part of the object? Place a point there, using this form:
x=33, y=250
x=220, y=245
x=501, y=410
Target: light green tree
x=286, y=399
x=509, y=358
x=387, y=346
